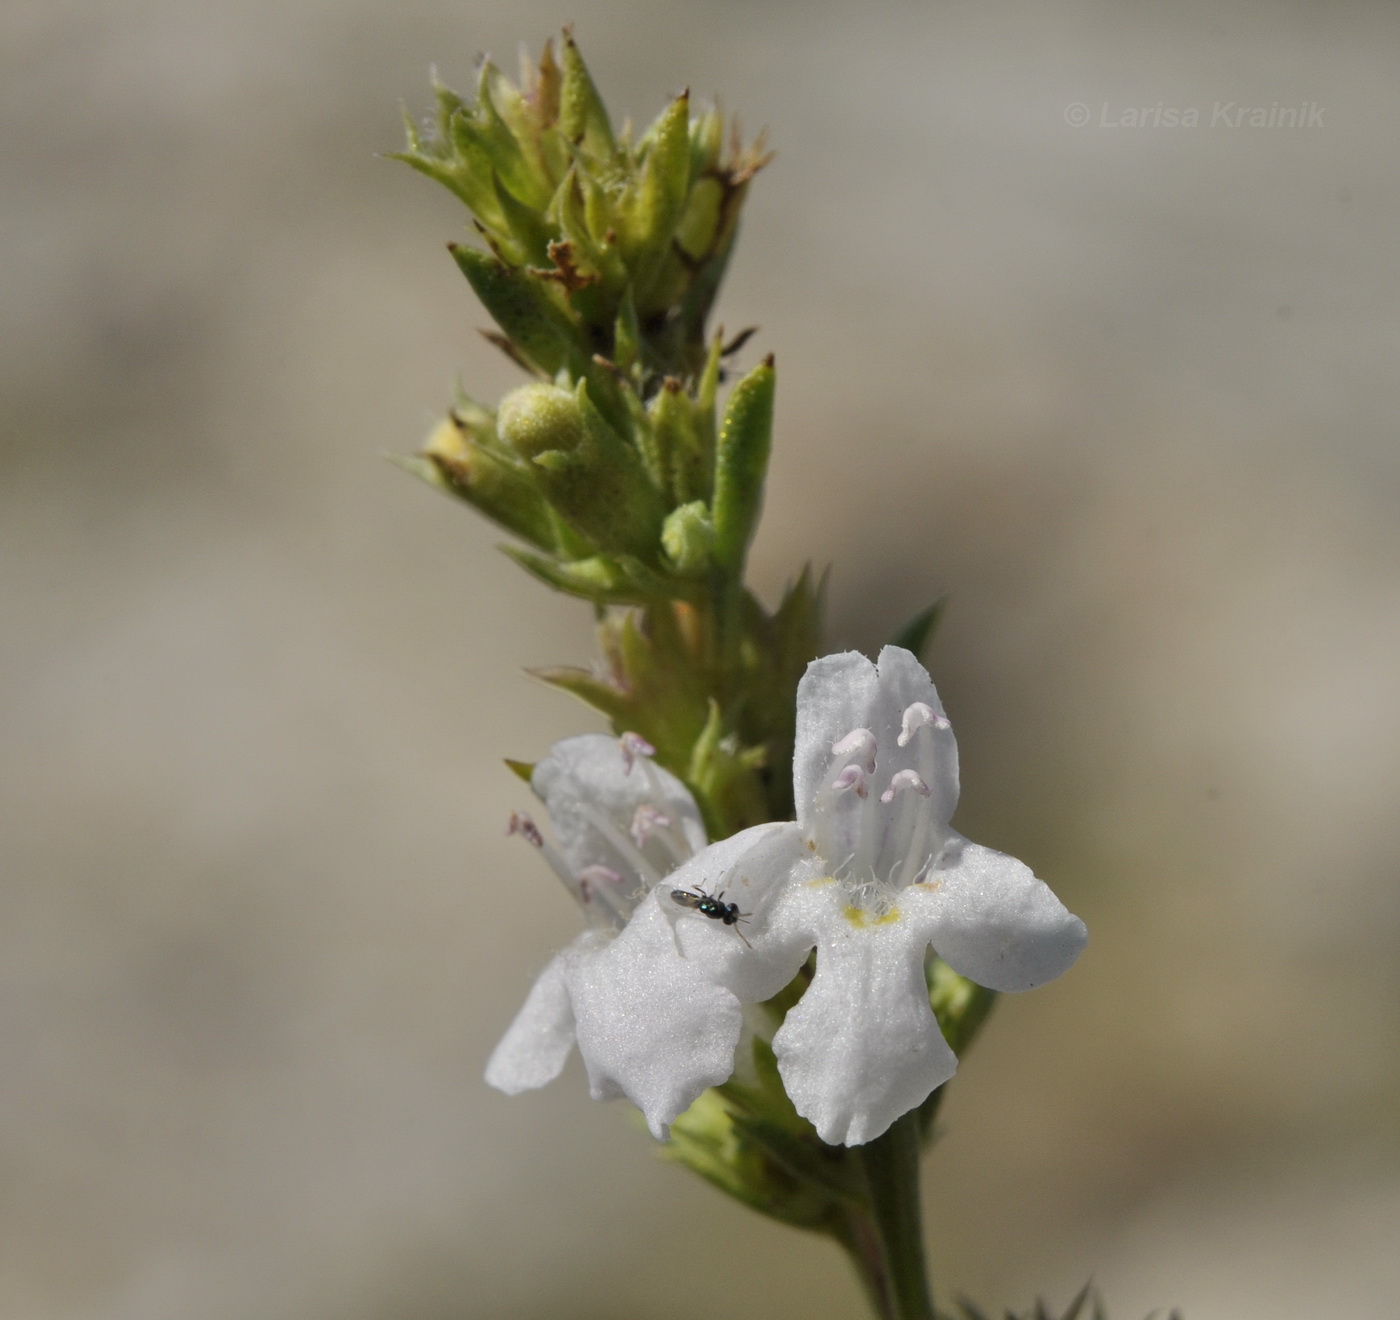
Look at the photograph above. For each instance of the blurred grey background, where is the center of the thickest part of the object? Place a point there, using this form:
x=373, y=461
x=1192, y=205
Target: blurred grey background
x=1126, y=395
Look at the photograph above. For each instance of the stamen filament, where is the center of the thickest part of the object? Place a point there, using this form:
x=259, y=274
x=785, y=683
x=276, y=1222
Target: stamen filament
x=522, y=825
x=624, y=846
x=604, y=884
x=914, y=856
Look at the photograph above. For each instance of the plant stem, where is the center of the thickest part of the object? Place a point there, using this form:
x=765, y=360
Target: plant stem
x=862, y=1243
x=887, y=1244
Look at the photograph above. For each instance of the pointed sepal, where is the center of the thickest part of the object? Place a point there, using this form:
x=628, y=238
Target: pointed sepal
x=537, y=327
x=741, y=464
x=583, y=117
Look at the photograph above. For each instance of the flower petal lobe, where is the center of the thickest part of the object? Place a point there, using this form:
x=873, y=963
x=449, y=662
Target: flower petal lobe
x=861, y=1047
x=997, y=924
x=536, y=1046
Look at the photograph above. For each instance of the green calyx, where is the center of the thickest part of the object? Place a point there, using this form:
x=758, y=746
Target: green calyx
x=600, y=258
x=613, y=234
x=586, y=471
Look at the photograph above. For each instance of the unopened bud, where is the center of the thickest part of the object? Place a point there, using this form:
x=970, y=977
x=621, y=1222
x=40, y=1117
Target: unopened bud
x=592, y=476
x=536, y=419
x=493, y=481
x=688, y=537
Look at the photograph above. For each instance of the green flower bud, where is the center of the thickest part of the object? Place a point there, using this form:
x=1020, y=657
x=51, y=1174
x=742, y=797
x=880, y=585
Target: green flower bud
x=536, y=419
x=700, y=225
x=593, y=477
x=688, y=537
x=662, y=185
x=684, y=440
x=501, y=487
x=578, y=220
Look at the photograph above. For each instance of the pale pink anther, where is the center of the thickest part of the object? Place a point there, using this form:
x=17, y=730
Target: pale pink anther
x=851, y=777
x=646, y=821
x=522, y=825
x=862, y=743
x=918, y=715
x=901, y=780
x=592, y=877
x=634, y=745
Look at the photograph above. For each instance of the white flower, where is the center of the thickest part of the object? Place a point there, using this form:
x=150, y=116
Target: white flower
x=870, y=875
x=622, y=823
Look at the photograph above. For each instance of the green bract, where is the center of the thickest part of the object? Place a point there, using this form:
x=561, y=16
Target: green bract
x=599, y=262
x=596, y=244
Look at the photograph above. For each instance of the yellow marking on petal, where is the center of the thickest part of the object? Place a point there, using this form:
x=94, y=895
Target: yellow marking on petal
x=930, y=885
x=821, y=881
x=861, y=919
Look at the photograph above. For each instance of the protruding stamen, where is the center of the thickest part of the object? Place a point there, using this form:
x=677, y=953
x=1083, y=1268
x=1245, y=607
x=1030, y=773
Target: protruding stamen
x=851, y=777
x=619, y=840
x=634, y=745
x=903, y=779
x=646, y=822
x=862, y=743
x=596, y=877
x=522, y=825
x=526, y=828
x=918, y=715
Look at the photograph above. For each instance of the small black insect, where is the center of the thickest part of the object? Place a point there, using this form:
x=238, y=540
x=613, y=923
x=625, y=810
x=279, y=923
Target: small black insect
x=712, y=906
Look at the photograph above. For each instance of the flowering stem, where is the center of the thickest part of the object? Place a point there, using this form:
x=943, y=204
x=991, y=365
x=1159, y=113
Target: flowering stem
x=886, y=1243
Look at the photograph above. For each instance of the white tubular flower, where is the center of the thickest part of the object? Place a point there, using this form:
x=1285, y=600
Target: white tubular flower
x=596, y=789
x=872, y=876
